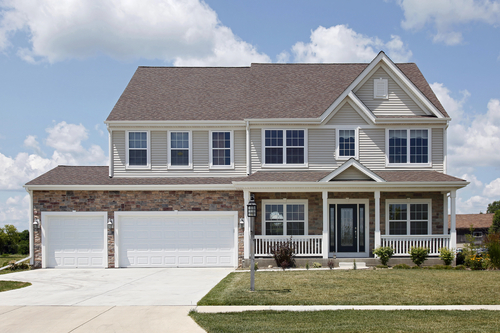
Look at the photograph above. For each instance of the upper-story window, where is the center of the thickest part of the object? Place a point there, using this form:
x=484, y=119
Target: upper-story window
x=138, y=149
x=411, y=218
x=408, y=146
x=347, y=144
x=285, y=147
x=179, y=150
x=221, y=150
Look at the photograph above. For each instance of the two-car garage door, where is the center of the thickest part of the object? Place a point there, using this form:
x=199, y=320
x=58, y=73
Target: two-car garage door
x=176, y=239
x=142, y=239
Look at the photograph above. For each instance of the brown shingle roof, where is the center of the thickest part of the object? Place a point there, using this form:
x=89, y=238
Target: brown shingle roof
x=98, y=175
x=416, y=176
x=237, y=93
x=463, y=221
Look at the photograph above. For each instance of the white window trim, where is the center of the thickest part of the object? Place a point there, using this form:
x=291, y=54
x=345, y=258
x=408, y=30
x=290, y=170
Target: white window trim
x=231, y=149
x=337, y=143
x=386, y=88
x=190, y=153
x=148, y=148
x=284, y=164
x=408, y=164
x=284, y=202
x=408, y=225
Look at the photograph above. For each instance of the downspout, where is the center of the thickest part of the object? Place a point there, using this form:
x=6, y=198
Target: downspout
x=249, y=169
x=30, y=229
x=110, y=144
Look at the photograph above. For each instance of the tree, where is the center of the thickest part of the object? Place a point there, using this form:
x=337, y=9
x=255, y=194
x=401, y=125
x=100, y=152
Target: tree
x=493, y=207
x=495, y=226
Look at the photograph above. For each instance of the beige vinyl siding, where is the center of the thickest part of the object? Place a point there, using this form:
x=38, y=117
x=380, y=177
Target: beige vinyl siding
x=437, y=149
x=119, y=157
x=398, y=103
x=322, y=149
x=352, y=174
x=159, y=156
x=256, y=149
x=372, y=148
x=347, y=116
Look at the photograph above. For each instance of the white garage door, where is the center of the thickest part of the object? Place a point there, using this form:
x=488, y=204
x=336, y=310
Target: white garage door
x=75, y=240
x=183, y=239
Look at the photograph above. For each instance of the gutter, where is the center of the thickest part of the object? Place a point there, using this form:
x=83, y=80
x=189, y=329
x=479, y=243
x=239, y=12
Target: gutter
x=17, y=262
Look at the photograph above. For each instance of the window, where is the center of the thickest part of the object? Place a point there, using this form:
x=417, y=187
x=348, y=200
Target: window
x=179, y=150
x=381, y=88
x=285, y=218
x=408, y=218
x=347, y=145
x=284, y=147
x=137, y=149
x=408, y=146
x=221, y=150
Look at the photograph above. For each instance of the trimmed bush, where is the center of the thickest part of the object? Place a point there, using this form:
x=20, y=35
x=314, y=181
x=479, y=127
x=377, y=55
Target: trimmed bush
x=317, y=265
x=401, y=266
x=384, y=253
x=283, y=254
x=460, y=268
x=418, y=255
x=446, y=255
x=331, y=264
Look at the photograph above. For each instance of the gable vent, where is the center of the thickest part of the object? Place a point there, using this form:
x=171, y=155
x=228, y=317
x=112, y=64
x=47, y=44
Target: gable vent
x=380, y=88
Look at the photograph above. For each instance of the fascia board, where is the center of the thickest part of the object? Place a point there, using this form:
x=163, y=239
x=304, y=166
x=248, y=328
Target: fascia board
x=382, y=121
x=366, y=113
x=339, y=185
x=180, y=187
x=171, y=123
x=311, y=121
x=411, y=86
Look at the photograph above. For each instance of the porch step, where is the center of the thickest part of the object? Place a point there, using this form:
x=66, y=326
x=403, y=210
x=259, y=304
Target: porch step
x=350, y=265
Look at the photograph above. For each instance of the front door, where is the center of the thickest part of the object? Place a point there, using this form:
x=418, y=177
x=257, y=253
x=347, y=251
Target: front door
x=347, y=228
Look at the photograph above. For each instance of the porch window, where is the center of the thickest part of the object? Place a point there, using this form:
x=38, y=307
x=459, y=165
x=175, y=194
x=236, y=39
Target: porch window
x=137, y=149
x=282, y=219
x=408, y=219
x=284, y=147
x=408, y=146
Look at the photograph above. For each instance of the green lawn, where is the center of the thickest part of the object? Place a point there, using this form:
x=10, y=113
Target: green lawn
x=350, y=321
x=6, y=259
x=9, y=285
x=358, y=287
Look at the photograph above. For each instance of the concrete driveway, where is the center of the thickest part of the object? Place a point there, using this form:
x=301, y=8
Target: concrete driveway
x=119, y=287
x=106, y=300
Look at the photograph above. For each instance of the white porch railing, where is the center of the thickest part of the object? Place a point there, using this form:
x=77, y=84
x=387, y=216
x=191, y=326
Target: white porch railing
x=402, y=244
x=303, y=245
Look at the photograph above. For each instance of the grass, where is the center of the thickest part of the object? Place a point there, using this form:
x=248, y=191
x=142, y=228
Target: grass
x=5, y=259
x=358, y=287
x=10, y=285
x=350, y=321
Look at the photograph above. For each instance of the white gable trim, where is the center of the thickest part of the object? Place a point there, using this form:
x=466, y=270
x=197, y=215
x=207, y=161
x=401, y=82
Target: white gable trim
x=352, y=163
x=357, y=105
x=382, y=57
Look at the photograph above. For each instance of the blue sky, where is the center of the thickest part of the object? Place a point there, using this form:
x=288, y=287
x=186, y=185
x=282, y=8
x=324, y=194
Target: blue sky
x=63, y=66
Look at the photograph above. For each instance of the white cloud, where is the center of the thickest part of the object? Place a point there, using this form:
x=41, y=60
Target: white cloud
x=32, y=142
x=66, y=139
x=446, y=15
x=472, y=205
x=492, y=189
x=15, y=211
x=341, y=44
x=187, y=32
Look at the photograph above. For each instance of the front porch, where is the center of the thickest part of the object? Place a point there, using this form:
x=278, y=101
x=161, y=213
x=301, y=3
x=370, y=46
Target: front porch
x=345, y=224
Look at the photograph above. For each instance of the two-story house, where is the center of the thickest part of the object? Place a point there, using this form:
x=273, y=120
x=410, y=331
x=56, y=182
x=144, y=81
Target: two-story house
x=341, y=159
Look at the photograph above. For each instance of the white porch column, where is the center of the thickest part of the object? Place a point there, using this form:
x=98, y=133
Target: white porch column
x=246, y=232
x=325, y=225
x=445, y=213
x=377, y=219
x=453, y=227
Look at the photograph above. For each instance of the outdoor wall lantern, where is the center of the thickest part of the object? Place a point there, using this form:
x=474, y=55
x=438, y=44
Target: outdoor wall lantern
x=252, y=207
x=110, y=223
x=36, y=223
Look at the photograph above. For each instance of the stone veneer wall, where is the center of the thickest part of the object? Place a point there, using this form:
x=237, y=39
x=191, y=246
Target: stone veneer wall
x=111, y=201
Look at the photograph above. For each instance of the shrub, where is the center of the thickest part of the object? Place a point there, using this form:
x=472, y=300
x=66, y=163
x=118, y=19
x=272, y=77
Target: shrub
x=460, y=258
x=440, y=267
x=418, y=255
x=18, y=266
x=401, y=266
x=283, y=254
x=317, y=265
x=382, y=266
x=256, y=266
x=384, y=253
x=331, y=264
x=493, y=245
x=460, y=267
x=307, y=265
x=446, y=255
x=416, y=267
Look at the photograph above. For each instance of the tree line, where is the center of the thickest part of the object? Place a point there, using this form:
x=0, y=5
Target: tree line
x=13, y=241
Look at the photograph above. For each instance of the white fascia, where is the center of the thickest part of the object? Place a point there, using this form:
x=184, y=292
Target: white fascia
x=352, y=162
x=176, y=123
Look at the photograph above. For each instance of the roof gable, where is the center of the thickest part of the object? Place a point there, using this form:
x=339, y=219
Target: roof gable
x=352, y=168
x=350, y=112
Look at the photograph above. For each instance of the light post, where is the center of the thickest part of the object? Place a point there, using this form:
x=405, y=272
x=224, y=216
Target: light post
x=252, y=213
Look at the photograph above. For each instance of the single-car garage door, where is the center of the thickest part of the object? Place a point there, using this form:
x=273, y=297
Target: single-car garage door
x=74, y=240
x=176, y=239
